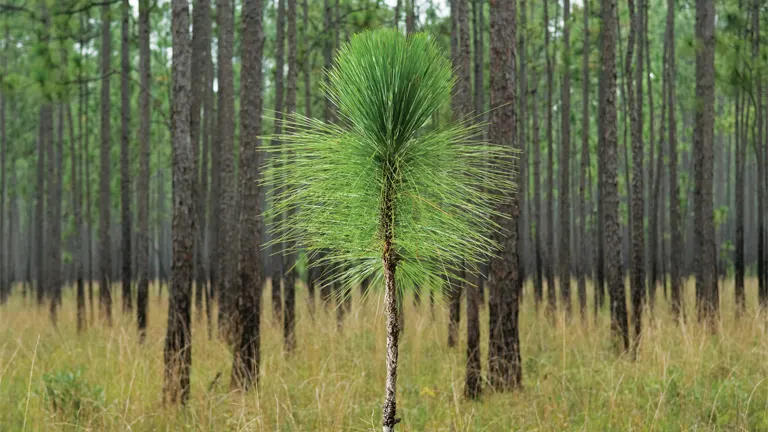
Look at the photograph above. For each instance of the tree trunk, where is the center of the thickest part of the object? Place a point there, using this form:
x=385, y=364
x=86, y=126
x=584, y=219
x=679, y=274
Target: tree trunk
x=612, y=240
x=39, y=207
x=245, y=366
x=312, y=271
x=105, y=209
x=583, y=262
x=504, y=364
x=77, y=237
x=638, y=188
x=4, y=286
x=762, y=289
x=178, y=341
x=228, y=187
x=389, y=262
x=289, y=256
x=201, y=47
x=706, y=278
x=125, y=167
x=142, y=255
x=676, y=234
x=565, y=157
x=551, y=294
x=276, y=255
x=55, y=168
x=656, y=235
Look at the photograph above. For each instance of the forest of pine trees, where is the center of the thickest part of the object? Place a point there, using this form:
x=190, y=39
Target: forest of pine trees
x=194, y=168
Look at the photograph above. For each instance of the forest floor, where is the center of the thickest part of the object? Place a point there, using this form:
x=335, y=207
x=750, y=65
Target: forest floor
x=685, y=377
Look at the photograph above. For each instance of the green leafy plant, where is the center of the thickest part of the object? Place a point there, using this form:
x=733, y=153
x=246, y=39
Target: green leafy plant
x=382, y=194
x=70, y=394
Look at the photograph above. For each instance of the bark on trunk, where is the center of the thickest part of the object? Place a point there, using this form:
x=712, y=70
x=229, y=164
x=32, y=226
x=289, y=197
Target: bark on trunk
x=675, y=221
x=276, y=255
x=564, y=260
x=228, y=187
x=619, y=324
x=105, y=209
x=389, y=261
x=504, y=363
x=178, y=341
x=142, y=243
x=583, y=261
x=706, y=278
x=201, y=46
x=246, y=358
x=551, y=294
x=289, y=256
x=125, y=163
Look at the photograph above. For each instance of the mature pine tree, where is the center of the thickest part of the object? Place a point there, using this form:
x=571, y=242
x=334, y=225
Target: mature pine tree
x=583, y=262
x=463, y=95
x=246, y=358
x=313, y=272
x=201, y=47
x=757, y=144
x=289, y=256
x=619, y=324
x=53, y=249
x=227, y=250
x=675, y=221
x=77, y=207
x=636, y=119
x=4, y=287
x=455, y=287
x=142, y=243
x=125, y=163
x=564, y=259
x=39, y=207
x=504, y=364
x=551, y=294
x=105, y=209
x=704, y=226
x=178, y=339
x=276, y=255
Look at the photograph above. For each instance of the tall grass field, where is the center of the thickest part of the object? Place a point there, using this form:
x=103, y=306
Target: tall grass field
x=685, y=378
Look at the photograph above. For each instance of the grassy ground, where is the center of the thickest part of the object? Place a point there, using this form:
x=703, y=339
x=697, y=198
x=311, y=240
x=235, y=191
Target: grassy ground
x=685, y=378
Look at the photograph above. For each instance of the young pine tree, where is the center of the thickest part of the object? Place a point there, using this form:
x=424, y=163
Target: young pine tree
x=377, y=192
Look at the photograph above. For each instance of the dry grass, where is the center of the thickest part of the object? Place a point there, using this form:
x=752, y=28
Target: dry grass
x=685, y=378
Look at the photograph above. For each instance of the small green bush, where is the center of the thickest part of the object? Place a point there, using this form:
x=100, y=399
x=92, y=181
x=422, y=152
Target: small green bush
x=68, y=393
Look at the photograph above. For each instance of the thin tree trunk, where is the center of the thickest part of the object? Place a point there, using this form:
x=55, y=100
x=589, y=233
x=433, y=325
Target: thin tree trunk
x=178, y=341
x=276, y=255
x=228, y=186
x=77, y=251
x=39, y=207
x=619, y=324
x=105, y=209
x=762, y=289
x=583, y=262
x=504, y=364
x=389, y=263
x=311, y=270
x=638, y=189
x=201, y=46
x=55, y=165
x=551, y=295
x=125, y=167
x=564, y=258
x=676, y=234
x=245, y=366
x=4, y=286
x=142, y=255
x=706, y=278
x=289, y=256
